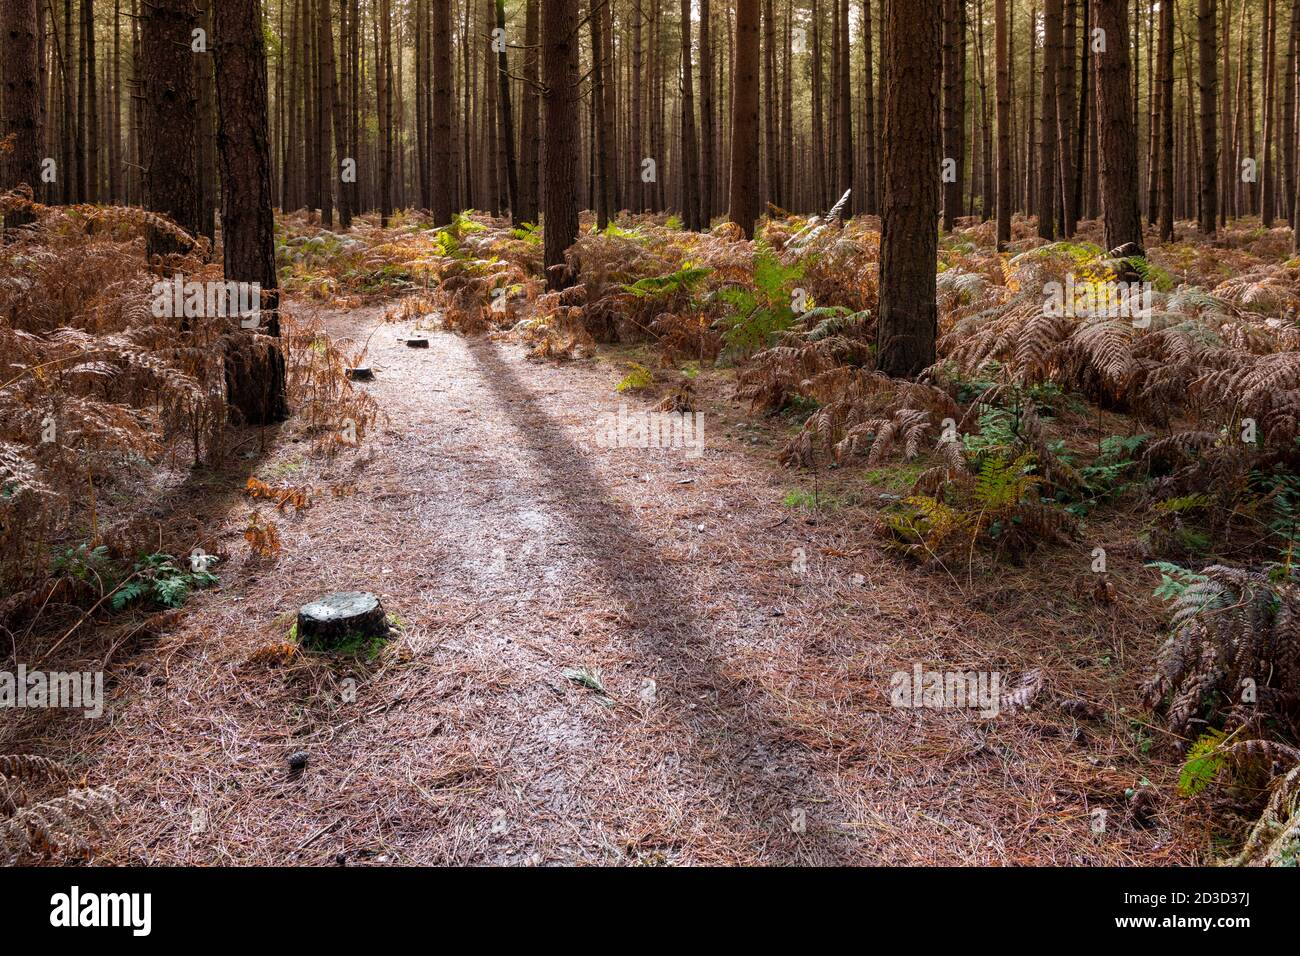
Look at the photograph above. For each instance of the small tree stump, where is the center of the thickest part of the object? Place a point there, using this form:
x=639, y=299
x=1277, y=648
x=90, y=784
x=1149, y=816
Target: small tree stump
x=341, y=619
x=362, y=373
x=417, y=343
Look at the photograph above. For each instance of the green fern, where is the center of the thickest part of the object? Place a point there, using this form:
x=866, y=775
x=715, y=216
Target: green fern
x=1174, y=579
x=638, y=378
x=684, y=279
x=1204, y=761
x=1003, y=483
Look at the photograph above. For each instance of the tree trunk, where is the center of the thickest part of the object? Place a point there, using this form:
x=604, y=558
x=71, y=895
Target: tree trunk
x=441, y=176
x=254, y=363
x=170, y=128
x=1208, y=36
x=530, y=125
x=601, y=168
x=1167, y=121
x=637, y=142
x=560, y=95
x=1065, y=121
x=743, y=198
x=869, y=204
x=1117, y=142
x=708, y=150
x=384, y=68
x=507, y=120
x=845, y=108
x=954, y=52
x=909, y=242
x=1047, y=180
x=91, y=191
x=1001, y=59
x=206, y=144
x=19, y=71
x=690, y=156
x=331, y=113
x=771, y=146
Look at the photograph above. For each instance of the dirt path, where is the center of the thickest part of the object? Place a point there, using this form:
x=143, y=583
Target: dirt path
x=748, y=716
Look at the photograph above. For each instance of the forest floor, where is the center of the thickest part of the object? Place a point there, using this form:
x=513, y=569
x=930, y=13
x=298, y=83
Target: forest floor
x=745, y=715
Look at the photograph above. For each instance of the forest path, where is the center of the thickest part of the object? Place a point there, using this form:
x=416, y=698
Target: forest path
x=748, y=715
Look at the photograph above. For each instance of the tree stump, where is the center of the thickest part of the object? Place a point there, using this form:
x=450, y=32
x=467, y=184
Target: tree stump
x=341, y=618
x=255, y=390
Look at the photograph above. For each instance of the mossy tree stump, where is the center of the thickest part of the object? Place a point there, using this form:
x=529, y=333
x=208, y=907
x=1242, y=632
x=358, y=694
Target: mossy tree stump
x=341, y=619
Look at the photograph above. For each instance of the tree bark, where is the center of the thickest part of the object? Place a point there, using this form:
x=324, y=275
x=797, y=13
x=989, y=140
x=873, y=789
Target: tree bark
x=1065, y=121
x=254, y=363
x=690, y=155
x=507, y=119
x=170, y=128
x=1117, y=142
x=1167, y=121
x=845, y=111
x=954, y=53
x=529, y=122
x=1207, y=32
x=1000, y=40
x=1047, y=142
x=442, y=183
x=743, y=198
x=19, y=70
x=909, y=242
x=560, y=96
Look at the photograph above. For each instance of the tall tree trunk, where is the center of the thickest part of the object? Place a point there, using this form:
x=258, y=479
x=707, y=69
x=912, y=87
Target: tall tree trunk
x=708, y=144
x=1288, y=111
x=507, y=119
x=986, y=117
x=1065, y=121
x=869, y=205
x=170, y=128
x=690, y=151
x=1001, y=60
x=560, y=96
x=91, y=193
x=818, y=117
x=909, y=243
x=441, y=176
x=1267, y=208
x=68, y=123
x=954, y=52
x=845, y=107
x=115, y=142
x=1047, y=179
x=1167, y=121
x=19, y=70
x=254, y=365
x=602, y=168
x=771, y=148
x=339, y=97
x=637, y=140
x=1083, y=132
x=384, y=68
x=1208, y=35
x=1118, y=144
x=743, y=198
x=1031, y=127
x=207, y=139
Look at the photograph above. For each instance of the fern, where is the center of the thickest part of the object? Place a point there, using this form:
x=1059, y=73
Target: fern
x=685, y=279
x=639, y=377
x=1204, y=760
